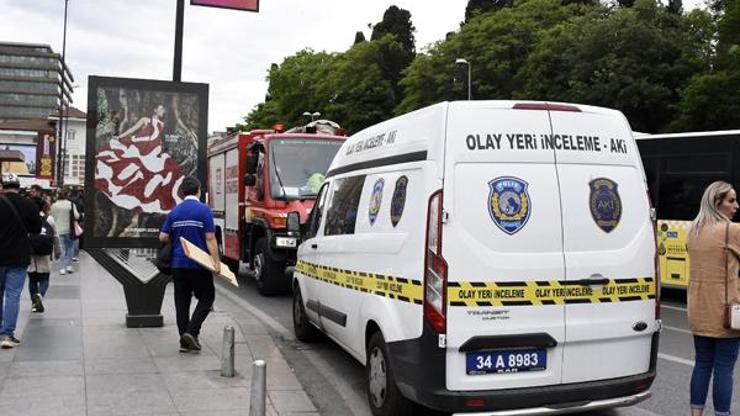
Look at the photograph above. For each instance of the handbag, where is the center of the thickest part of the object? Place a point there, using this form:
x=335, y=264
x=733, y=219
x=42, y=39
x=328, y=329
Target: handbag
x=732, y=309
x=163, y=261
x=74, y=225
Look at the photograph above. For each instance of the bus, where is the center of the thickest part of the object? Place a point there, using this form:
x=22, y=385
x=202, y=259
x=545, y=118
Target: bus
x=678, y=168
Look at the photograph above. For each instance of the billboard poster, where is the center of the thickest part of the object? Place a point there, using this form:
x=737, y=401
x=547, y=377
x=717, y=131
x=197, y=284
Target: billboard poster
x=144, y=138
x=45, y=151
x=25, y=168
x=247, y=5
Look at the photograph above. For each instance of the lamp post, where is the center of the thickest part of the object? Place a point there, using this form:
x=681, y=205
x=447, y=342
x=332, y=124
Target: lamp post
x=60, y=130
x=313, y=115
x=465, y=62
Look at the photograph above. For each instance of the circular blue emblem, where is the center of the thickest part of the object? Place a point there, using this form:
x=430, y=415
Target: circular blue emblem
x=605, y=203
x=509, y=204
x=398, y=202
x=375, y=200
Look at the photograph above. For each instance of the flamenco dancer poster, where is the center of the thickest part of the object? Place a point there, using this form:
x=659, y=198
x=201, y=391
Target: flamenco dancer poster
x=148, y=136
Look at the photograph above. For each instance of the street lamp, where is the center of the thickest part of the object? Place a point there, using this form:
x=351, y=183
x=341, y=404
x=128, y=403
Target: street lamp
x=313, y=115
x=464, y=61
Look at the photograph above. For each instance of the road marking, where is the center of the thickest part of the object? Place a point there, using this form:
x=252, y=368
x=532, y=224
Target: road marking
x=681, y=330
x=675, y=359
x=674, y=308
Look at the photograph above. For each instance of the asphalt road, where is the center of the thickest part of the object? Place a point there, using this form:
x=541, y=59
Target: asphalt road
x=335, y=381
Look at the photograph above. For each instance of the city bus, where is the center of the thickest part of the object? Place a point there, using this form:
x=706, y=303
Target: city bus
x=678, y=168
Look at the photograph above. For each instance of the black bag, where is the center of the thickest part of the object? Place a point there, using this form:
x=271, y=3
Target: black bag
x=43, y=243
x=163, y=262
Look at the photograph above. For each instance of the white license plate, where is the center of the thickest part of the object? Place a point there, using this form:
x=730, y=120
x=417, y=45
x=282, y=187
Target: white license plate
x=516, y=361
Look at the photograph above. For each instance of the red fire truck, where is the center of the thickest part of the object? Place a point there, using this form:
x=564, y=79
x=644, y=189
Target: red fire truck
x=254, y=179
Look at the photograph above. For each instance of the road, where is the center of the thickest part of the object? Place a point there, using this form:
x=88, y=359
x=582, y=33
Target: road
x=335, y=381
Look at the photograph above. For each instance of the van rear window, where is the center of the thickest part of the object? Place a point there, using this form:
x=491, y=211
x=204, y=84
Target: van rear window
x=341, y=212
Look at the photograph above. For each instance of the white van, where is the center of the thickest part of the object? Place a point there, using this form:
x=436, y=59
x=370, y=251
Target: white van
x=487, y=258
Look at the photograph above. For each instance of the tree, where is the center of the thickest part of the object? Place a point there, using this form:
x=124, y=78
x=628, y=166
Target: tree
x=675, y=6
x=397, y=22
x=359, y=37
x=626, y=3
x=476, y=7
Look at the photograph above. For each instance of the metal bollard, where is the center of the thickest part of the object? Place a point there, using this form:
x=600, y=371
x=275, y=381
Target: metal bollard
x=227, y=352
x=259, y=389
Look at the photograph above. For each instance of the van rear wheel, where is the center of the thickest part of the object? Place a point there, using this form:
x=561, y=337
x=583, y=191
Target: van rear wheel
x=382, y=393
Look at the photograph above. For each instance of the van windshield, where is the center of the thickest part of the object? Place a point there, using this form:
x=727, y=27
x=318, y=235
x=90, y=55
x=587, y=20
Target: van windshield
x=298, y=166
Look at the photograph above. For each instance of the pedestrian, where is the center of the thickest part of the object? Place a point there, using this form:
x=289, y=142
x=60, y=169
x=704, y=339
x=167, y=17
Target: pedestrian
x=35, y=191
x=76, y=199
x=192, y=220
x=64, y=212
x=714, y=254
x=43, y=246
x=19, y=218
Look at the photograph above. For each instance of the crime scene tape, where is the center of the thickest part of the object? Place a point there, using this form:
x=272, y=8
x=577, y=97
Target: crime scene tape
x=485, y=294
x=532, y=292
x=405, y=290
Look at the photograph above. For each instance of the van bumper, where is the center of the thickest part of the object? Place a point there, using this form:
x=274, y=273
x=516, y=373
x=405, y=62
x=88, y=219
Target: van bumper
x=419, y=369
x=577, y=407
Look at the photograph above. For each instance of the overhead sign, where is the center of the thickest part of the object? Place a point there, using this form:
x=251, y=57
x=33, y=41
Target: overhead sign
x=248, y=5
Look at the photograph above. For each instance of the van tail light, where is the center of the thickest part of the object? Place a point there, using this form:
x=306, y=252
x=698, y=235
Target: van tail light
x=435, y=268
x=656, y=258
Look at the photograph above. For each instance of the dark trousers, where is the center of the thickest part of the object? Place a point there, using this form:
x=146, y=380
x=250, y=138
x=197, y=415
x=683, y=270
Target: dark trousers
x=189, y=282
x=38, y=283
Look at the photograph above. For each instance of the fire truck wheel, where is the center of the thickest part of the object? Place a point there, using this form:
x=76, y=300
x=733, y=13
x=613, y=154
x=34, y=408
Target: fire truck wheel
x=268, y=273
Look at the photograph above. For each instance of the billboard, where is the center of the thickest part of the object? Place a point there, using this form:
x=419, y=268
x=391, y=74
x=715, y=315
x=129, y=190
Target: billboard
x=28, y=166
x=248, y=5
x=45, y=151
x=144, y=138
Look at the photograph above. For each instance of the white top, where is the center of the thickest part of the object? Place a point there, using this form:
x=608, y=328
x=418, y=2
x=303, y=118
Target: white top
x=60, y=210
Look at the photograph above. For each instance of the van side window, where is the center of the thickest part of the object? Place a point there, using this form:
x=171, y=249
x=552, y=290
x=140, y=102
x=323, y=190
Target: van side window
x=317, y=213
x=341, y=211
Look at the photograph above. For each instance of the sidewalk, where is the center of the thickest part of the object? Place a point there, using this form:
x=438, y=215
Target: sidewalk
x=78, y=358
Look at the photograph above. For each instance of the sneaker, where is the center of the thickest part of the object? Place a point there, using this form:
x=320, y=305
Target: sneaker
x=62, y=271
x=184, y=347
x=38, y=305
x=70, y=269
x=191, y=341
x=9, y=342
x=74, y=259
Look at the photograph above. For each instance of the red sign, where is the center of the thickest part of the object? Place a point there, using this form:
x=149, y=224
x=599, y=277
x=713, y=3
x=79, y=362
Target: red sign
x=45, y=151
x=248, y=5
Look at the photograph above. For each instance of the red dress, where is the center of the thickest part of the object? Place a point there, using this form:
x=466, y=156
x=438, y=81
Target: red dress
x=135, y=172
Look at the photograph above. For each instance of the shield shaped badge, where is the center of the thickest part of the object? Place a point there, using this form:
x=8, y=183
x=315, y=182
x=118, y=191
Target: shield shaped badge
x=605, y=204
x=509, y=204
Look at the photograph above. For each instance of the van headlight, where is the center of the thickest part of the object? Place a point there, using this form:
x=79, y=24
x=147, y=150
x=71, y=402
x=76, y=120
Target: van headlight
x=286, y=242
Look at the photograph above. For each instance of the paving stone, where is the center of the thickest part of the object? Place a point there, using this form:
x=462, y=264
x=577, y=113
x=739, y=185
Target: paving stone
x=45, y=368
x=71, y=405
x=287, y=402
x=139, y=365
x=114, y=403
x=203, y=380
x=211, y=400
x=29, y=388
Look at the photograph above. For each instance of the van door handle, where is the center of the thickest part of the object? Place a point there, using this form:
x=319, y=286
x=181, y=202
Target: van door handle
x=314, y=246
x=593, y=282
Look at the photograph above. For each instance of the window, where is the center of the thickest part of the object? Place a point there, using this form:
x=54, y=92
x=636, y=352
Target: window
x=317, y=213
x=298, y=166
x=341, y=211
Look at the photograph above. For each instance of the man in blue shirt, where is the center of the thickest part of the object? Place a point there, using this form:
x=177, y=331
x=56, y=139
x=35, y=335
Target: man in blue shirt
x=192, y=220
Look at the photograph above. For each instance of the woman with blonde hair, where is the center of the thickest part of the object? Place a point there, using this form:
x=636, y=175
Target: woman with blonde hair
x=714, y=253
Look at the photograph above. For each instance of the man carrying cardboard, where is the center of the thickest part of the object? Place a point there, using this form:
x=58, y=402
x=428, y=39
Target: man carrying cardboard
x=192, y=220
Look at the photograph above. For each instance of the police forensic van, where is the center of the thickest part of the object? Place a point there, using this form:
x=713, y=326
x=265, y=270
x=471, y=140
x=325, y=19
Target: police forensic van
x=487, y=258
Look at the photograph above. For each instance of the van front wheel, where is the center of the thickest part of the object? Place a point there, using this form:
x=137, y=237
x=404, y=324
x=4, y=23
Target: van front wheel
x=382, y=393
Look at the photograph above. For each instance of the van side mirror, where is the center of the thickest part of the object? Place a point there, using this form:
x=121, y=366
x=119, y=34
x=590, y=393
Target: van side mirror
x=250, y=180
x=252, y=159
x=294, y=223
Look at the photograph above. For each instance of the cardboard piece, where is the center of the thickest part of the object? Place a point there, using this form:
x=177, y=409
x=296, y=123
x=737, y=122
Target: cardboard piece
x=204, y=259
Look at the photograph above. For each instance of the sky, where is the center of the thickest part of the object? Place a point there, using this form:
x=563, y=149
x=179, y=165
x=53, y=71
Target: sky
x=229, y=50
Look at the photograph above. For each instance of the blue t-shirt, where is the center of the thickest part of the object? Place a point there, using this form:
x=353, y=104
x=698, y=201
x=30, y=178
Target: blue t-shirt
x=191, y=219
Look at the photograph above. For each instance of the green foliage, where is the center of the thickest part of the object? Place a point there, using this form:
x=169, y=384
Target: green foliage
x=396, y=22
x=476, y=7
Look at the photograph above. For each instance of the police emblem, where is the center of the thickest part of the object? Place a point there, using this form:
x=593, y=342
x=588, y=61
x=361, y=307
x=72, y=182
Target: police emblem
x=375, y=199
x=399, y=200
x=605, y=203
x=508, y=203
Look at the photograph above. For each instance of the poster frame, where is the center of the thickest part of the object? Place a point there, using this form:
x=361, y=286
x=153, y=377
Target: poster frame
x=94, y=83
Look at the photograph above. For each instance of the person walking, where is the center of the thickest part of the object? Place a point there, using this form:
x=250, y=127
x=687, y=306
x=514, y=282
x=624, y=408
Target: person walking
x=64, y=211
x=43, y=245
x=192, y=220
x=19, y=218
x=714, y=253
x=76, y=199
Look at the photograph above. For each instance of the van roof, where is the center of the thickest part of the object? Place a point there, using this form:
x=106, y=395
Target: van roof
x=717, y=133
x=419, y=135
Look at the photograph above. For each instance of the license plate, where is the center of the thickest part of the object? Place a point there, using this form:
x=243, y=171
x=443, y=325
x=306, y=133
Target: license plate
x=486, y=362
